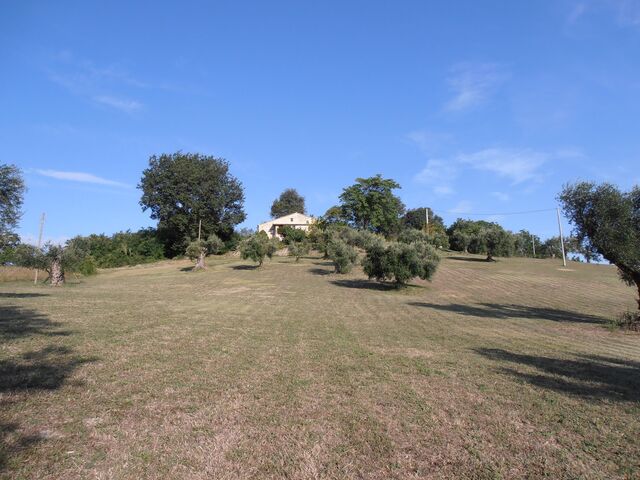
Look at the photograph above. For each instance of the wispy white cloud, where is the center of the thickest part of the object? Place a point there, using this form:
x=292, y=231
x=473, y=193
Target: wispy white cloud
x=438, y=174
x=626, y=13
x=428, y=141
x=503, y=197
x=515, y=165
x=85, y=79
x=576, y=12
x=126, y=105
x=80, y=177
x=473, y=83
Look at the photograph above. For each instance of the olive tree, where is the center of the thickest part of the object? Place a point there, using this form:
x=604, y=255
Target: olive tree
x=607, y=222
x=341, y=254
x=257, y=247
x=11, y=198
x=298, y=249
x=199, y=249
x=54, y=259
x=401, y=262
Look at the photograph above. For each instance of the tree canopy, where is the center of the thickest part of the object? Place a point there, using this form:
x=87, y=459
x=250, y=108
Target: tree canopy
x=416, y=218
x=371, y=205
x=182, y=189
x=12, y=190
x=289, y=201
x=607, y=222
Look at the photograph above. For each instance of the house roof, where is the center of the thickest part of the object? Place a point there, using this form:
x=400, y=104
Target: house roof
x=299, y=218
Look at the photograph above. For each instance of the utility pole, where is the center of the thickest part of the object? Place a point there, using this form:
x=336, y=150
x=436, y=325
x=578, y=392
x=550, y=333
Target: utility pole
x=199, y=229
x=426, y=214
x=564, y=259
x=35, y=280
x=533, y=243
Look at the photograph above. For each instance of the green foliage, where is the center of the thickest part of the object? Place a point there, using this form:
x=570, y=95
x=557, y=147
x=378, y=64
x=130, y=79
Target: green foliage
x=257, y=247
x=212, y=245
x=122, y=248
x=182, y=189
x=478, y=236
x=401, y=261
x=12, y=190
x=415, y=218
x=497, y=241
x=298, y=249
x=524, y=241
x=607, y=223
x=289, y=201
x=437, y=238
x=341, y=254
x=71, y=257
x=371, y=205
x=88, y=266
x=292, y=235
x=333, y=216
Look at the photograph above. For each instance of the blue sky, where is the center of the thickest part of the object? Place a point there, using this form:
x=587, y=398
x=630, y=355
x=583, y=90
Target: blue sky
x=473, y=107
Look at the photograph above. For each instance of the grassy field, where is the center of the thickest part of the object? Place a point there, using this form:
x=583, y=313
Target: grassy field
x=502, y=370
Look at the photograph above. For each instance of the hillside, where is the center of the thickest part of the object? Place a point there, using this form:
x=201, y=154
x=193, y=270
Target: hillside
x=492, y=370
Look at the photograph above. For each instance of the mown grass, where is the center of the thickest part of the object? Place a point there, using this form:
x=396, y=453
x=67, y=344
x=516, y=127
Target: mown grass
x=501, y=370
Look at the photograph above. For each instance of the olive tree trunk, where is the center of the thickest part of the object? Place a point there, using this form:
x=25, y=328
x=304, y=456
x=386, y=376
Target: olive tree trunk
x=200, y=263
x=57, y=273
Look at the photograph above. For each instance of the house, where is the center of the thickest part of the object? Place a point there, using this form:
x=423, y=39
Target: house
x=295, y=220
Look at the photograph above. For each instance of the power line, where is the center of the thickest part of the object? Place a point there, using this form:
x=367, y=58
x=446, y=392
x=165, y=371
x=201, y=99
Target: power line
x=502, y=213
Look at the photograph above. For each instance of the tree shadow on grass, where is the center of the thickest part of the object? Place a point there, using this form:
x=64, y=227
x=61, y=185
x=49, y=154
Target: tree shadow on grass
x=18, y=322
x=22, y=295
x=324, y=264
x=320, y=271
x=22, y=375
x=470, y=259
x=13, y=442
x=592, y=377
x=507, y=311
x=245, y=267
x=365, y=284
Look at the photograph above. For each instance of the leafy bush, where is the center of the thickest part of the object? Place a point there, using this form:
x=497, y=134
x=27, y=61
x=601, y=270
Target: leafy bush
x=401, y=262
x=88, y=266
x=257, y=247
x=341, y=254
x=122, y=248
x=437, y=238
x=298, y=249
x=291, y=235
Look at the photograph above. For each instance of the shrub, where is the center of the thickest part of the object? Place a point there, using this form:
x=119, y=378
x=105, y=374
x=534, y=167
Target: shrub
x=88, y=266
x=292, y=235
x=341, y=254
x=437, y=238
x=257, y=247
x=298, y=249
x=401, y=262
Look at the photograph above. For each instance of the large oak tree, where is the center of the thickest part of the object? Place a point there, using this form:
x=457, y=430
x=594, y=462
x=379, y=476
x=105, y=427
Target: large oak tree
x=289, y=201
x=183, y=189
x=371, y=205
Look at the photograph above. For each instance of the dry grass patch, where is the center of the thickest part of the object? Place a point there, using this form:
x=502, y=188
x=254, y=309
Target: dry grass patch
x=493, y=370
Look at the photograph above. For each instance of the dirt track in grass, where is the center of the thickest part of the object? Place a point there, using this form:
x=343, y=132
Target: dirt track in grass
x=501, y=370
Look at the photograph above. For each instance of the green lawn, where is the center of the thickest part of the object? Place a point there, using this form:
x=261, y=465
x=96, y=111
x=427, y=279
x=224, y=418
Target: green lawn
x=500, y=370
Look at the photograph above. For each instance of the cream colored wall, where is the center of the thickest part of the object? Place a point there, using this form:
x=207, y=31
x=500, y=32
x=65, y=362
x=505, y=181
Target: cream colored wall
x=295, y=220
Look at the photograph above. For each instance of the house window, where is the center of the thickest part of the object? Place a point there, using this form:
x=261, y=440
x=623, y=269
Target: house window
x=292, y=219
